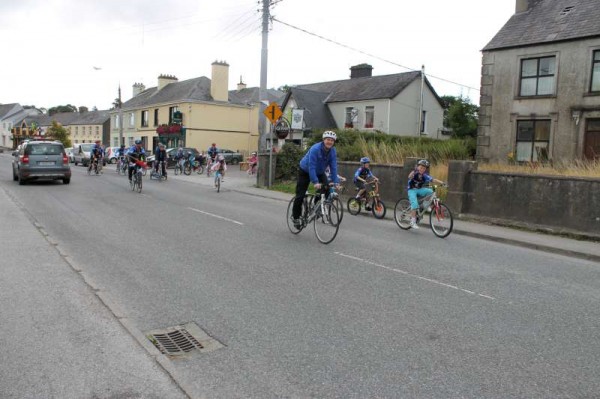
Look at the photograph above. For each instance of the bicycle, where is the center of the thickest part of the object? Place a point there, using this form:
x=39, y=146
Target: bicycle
x=96, y=167
x=218, y=179
x=178, y=167
x=322, y=212
x=136, y=178
x=252, y=169
x=370, y=200
x=122, y=165
x=440, y=217
x=192, y=165
x=209, y=163
x=159, y=175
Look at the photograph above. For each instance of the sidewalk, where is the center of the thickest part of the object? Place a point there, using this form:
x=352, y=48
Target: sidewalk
x=239, y=181
x=58, y=339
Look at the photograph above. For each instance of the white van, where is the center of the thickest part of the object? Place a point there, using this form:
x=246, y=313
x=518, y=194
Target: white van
x=81, y=153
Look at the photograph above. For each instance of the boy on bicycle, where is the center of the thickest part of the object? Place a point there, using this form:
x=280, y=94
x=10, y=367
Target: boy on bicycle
x=220, y=166
x=416, y=180
x=361, y=175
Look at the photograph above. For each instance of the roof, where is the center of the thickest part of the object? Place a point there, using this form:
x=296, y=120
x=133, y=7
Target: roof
x=5, y=109
x=318, y=115
x=70, y=118
x=549, y=21
x=251, y=95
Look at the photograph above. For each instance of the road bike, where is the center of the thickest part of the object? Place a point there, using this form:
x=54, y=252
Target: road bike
x=95, y=167
x=159, y=175
x=440, y=217
x=136, y=178
x=122, y=165
x=321, y=212
x=370, y=200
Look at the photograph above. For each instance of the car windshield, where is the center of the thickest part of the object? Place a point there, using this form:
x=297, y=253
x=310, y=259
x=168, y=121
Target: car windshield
x=86, y=147
x=44, y=149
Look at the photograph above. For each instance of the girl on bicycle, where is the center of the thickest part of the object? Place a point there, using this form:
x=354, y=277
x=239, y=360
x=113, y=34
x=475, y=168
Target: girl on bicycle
x=416, y=180
x=220, y=166
x=252, y=162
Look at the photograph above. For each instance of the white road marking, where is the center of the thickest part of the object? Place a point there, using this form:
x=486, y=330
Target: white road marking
x=216, y=216
x=414, y=275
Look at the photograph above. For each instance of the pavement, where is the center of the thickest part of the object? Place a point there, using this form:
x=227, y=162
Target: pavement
x=62, y=336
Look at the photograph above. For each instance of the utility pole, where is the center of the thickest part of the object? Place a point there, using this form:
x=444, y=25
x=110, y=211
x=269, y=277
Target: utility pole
x=120, y=118
x=421, y=102
x=263, y=76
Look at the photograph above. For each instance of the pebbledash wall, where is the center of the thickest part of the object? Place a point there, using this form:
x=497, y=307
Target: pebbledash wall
x=569, y=205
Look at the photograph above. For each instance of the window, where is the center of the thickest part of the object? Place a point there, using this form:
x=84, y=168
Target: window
x=115, y=141
x=116, y=121
x=76, y=130
x=131, y=119
x=144, y=118
x=533, y=139
x=369, y=116
x=537, y=76
x=172, y=110
x=595, y=83
x=423, y=121
x=351, y=117
x=97, y=130
x=156, y=117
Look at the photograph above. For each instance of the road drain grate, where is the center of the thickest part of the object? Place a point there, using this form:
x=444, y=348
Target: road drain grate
x=179, y=340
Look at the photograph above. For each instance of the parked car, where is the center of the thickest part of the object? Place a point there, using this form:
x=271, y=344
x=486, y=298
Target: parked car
x=230, y=156
x=81, y=154
x=171, y=155
x=69, y=152
x=41, y=160
x=110, y=154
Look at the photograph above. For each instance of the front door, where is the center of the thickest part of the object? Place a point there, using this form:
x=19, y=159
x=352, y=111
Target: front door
x=591, y=142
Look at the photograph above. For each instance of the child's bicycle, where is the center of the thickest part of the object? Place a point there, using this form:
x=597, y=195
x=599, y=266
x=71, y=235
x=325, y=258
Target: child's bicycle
x=178, y=169
x=218, y=179
x=323, y=213
x=370, y=200
x=440, y=217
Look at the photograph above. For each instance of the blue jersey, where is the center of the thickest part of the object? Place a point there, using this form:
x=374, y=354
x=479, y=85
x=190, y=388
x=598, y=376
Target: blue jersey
x=363, y=173
x=316, y=161
x=133, y=152
x=419, y=180
x=96, y=151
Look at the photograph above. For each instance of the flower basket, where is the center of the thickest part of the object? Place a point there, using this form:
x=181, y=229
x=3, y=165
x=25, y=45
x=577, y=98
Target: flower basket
x=163, y=129
x=175, y=129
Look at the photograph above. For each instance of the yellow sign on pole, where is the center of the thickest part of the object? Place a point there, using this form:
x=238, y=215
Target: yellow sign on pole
x=272, y=112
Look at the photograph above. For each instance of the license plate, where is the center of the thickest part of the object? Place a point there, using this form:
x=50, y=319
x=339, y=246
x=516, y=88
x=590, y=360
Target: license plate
x=45, y=163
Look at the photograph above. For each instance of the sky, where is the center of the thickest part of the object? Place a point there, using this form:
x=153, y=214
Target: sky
x=58, y=52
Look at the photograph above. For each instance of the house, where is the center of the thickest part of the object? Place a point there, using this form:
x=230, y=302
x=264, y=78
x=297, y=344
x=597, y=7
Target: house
x=540, y=84
x=10, y=117
x=193, y=113
x=402, y=104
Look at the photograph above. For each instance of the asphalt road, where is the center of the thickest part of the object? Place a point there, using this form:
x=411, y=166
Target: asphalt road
x=380, y=312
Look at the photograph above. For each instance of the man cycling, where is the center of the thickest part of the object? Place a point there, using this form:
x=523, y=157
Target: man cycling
x=160, y=156
x=96, y=154
x=135, y=153
x=312, y=170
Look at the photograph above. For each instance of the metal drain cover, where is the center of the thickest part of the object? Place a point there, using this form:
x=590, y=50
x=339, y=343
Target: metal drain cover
x=180, y=340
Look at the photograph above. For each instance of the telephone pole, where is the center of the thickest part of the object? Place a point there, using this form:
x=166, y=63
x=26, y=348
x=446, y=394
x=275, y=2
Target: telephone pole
x=264, y=101
x=120, y=118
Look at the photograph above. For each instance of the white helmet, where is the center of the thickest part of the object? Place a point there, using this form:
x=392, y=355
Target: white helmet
x=329, y=134
x=221, y=157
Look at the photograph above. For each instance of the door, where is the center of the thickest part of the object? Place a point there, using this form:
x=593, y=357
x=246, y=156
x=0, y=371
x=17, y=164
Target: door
x=591, y=142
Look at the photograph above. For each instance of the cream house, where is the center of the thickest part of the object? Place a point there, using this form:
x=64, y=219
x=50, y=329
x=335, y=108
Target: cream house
x=540, y=84
x=192, y=113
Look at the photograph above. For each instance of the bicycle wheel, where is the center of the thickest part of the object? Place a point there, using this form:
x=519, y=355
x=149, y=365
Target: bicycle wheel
x=139, y=182
x=177, y=168
x=340, y=207
x=200, y=169
x=402, y=213
x=132, y=183
x=327, y=223
x=187, y=168
x=218, y=182
x=290, y=219
x=379, y=209
x=441, y=221
x=353, y=206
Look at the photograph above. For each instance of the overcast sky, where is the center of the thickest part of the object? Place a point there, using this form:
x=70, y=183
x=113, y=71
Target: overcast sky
x=52, y=47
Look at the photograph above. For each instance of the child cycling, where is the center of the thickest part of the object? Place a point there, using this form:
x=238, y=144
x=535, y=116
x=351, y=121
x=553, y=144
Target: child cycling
x=252, y=162
x=416, y=180
x=220, y=166
x=361, y=175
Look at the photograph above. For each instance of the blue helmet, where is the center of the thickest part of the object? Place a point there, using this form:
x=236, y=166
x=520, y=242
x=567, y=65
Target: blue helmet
x=138, y=141
x=365, y=160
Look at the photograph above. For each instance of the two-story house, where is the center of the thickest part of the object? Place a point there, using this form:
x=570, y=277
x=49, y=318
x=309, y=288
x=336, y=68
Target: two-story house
x=540, y=84
x=193, y=113
x=402, y=104
x=11, y=116
x=85, y=127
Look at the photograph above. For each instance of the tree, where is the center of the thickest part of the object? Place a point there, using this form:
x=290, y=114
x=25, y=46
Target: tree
x=58, y=132
x=117, y=103
x=460, y=115
x=83, y=110
x=62, y=108
x=284, y=88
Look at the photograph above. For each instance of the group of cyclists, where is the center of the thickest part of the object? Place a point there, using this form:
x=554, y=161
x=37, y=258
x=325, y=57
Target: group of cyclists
x=319, y=167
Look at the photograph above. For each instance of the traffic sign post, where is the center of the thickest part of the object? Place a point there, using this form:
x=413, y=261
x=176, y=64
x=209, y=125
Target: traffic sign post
x=273, y=113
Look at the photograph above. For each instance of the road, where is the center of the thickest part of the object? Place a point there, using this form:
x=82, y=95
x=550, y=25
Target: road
x=380, y=312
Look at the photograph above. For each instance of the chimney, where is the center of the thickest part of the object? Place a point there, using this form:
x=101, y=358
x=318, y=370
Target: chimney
x=138, y=88
x=521, y=6
x=164, y=80
x=241, y=85
x=219, y=85
x=361, y=71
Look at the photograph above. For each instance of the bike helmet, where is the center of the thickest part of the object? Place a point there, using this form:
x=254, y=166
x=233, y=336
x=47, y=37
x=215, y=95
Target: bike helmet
x=254, y=153
x=329, y=134
x=221, y=157
x=365, y=160
x=423, y=162
x=138, y=141
x=161, y=145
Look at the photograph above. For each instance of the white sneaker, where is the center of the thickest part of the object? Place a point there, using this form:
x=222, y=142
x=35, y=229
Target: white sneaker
x=414, y=225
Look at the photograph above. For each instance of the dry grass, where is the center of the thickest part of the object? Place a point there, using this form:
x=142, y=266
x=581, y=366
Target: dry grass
x=576, y=168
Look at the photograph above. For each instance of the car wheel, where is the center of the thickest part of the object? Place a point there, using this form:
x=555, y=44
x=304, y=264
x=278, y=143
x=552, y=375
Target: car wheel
x=15, y=177
x=75, y=162
x=66, y=180
x=235, y=161
x=21, y=181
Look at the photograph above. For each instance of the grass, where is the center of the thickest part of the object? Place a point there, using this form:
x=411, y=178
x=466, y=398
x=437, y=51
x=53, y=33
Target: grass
x=575, y=168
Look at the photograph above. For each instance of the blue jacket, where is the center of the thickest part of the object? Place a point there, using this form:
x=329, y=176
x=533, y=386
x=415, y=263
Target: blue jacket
x=316, y=160
x=97, y=150
x=134, y=153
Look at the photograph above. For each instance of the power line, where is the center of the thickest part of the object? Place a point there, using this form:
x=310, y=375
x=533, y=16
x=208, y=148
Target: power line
x=368, y=54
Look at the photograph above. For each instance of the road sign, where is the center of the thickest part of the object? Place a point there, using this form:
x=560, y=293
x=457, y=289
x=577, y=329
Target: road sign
x=273, y=112
x=282, y=129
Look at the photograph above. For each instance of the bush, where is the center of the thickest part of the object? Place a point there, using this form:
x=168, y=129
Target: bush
x=288, y=159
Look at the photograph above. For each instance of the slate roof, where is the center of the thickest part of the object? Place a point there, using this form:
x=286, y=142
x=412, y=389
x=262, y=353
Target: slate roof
x=317, y=115
x=70, y=118
x=548, y=21
x=197, y=89
x=5, y=109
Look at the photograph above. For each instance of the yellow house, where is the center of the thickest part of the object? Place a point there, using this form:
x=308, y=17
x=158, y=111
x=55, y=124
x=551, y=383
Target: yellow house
x=191, y=113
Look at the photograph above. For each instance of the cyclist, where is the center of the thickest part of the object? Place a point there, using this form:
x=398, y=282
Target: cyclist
x=312, y=170
x=96, y=154
x=212, y=151
x=252, y=162
x=416, y=180
x=161, y=155
x=221, y=166
x=361, y=175
x=135, y=153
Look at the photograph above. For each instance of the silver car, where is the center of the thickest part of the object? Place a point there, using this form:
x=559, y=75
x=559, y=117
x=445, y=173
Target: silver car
x=41, y=160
